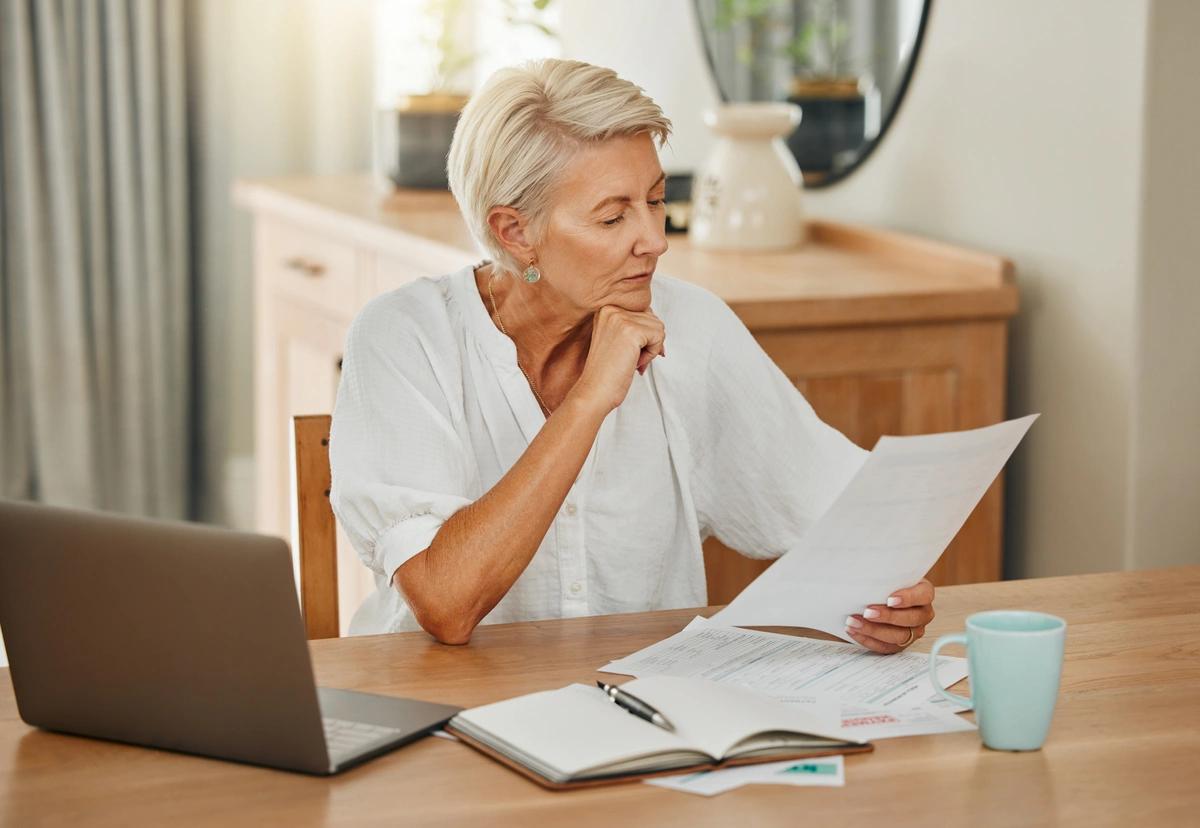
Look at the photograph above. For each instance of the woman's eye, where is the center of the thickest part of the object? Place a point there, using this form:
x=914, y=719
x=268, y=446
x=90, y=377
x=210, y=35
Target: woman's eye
x=658, y=202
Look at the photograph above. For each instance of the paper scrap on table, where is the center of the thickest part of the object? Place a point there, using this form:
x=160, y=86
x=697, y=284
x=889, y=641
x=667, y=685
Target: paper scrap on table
x=789, y=668
x=871, y=723
x=822, y=771
x=884, y=532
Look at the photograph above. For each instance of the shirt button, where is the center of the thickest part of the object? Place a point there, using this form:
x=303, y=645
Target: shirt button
x=571, y=510
x=576, y=588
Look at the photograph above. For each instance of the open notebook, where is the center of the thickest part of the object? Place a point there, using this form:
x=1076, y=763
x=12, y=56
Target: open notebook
x=575, y=735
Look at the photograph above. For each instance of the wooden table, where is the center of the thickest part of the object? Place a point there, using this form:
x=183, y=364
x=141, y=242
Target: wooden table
x=1123, y=749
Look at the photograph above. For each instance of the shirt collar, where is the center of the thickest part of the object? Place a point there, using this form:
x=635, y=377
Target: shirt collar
x=499, y=348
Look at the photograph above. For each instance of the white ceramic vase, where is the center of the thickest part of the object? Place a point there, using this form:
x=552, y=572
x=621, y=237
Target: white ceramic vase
x=748, y=195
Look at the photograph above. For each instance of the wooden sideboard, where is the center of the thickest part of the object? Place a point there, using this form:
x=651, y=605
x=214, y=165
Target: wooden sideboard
x=884, y=333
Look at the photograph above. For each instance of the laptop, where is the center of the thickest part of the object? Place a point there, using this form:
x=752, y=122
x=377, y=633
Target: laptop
x=178, y=636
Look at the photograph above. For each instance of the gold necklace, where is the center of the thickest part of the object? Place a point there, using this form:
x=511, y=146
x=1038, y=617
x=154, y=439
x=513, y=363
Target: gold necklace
x=503, y=330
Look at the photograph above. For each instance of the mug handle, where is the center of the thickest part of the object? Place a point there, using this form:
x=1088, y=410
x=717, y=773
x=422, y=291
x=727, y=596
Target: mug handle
x=953, y=638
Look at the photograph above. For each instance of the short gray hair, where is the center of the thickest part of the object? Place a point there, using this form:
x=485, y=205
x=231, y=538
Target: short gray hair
x=524, y=126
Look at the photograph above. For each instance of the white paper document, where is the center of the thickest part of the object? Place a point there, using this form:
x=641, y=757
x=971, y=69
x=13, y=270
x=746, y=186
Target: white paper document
x=823, y=771
x=793, y=669
x=884, y=532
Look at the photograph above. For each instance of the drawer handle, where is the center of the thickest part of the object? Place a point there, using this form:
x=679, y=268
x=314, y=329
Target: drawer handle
x=305, y=266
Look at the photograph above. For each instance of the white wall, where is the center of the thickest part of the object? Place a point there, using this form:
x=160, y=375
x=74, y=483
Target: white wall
x=657, y=46
x=1022, y=134
x=1165, y=500
x=283, y=87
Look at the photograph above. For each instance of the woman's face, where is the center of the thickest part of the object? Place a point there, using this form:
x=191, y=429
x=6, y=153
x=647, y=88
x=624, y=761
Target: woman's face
x=606, y=226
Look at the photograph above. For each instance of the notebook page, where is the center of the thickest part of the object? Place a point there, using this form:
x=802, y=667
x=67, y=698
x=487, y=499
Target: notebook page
x=572, y=729
x=714, y=717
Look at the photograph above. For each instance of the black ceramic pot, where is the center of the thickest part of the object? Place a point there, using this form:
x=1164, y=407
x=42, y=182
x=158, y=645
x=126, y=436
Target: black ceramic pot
x=424, y=128
x=833, y=121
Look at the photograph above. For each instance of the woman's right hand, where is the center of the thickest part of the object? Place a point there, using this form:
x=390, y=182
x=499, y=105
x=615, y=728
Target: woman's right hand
x=623, y=341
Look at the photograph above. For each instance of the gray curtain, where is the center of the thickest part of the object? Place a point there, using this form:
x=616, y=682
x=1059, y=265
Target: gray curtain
x=95, y=285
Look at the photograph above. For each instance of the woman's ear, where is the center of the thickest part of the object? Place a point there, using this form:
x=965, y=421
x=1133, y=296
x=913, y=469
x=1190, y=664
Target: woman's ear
x=511, y=230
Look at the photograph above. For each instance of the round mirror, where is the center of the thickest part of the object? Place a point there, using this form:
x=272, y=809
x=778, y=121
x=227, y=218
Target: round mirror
x=845, y=63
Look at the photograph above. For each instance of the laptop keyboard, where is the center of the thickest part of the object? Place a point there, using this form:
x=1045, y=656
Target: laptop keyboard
x=346, y=738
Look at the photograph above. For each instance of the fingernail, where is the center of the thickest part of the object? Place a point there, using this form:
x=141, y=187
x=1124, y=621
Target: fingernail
x=894, y=601
x=851, y=621
x=641, y=369
x=870, y=613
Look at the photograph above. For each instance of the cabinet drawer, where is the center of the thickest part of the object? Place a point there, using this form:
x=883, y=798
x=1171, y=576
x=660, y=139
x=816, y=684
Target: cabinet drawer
x=308, y=267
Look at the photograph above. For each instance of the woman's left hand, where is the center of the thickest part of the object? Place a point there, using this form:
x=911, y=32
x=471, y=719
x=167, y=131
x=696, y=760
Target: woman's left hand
x=886, y=628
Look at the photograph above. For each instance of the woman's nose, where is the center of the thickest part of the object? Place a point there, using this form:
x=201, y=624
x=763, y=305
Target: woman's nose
x=652, y=240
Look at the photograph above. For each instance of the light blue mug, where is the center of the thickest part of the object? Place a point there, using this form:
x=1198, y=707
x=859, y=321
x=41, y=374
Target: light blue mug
x=1014, y=660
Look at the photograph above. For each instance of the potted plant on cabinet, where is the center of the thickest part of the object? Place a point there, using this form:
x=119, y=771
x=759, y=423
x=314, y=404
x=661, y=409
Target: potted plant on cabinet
x=422, y=125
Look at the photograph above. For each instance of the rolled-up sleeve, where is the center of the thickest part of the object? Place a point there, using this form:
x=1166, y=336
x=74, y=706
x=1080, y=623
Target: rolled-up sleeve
x=399, y=468
x=766, y=466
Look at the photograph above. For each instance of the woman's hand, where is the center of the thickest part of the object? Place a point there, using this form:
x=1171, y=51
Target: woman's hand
x=623, y=341
x=886, y=628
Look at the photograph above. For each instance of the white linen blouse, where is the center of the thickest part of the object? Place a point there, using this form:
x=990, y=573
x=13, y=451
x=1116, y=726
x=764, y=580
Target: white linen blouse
x=432, y=411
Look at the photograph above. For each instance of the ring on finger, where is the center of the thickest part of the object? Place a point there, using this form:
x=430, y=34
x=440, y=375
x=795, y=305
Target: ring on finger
x=912, y=636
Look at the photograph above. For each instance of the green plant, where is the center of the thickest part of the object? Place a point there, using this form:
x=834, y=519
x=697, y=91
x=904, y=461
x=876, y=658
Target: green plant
x=818, y=48
x=444, y=18
x=513, y=15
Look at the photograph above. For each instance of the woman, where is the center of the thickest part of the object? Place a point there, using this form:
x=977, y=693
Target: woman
x=513, y=442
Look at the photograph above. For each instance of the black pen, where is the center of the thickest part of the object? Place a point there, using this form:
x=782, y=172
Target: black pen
x=626, y=700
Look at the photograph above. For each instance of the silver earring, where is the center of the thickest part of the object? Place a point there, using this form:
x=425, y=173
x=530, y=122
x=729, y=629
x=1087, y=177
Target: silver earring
x=532, y=274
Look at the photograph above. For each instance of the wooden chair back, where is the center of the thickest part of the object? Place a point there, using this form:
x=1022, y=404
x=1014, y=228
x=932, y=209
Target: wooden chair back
x=318, y=528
